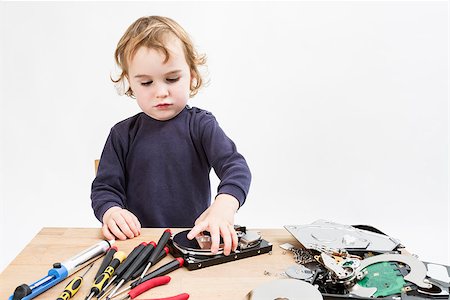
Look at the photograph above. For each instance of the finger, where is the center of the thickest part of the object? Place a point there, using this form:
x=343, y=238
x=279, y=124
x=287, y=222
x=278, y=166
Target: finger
x=235, y=240
x=215, y=238
x=106, y=233
x=123, y=225
x=115, y=230
x=197, y=229
x=128, y=217
x=137, y=223
x=226, y=236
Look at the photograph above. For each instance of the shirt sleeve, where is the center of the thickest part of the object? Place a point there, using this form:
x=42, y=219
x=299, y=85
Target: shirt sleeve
x=229, y=165
x=108, y=187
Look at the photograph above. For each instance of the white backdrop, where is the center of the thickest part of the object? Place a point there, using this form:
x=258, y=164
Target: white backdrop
x=341, y=109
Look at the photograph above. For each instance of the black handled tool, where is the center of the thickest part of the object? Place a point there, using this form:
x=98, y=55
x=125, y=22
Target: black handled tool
x=101, y=280
x=163, y=270
x=158, y=259
x=122, y=268
x=159, y=247
x=106, y=260
x=135, y=265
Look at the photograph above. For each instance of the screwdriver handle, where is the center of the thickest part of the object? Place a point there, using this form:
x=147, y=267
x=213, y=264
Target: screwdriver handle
x=160, y=246
x=71, y=289
x=163, y=270
x=158, y=259
x=138, y=261
x=145, y=286
x=101, y=280
x=107, y=260
x=124, y=266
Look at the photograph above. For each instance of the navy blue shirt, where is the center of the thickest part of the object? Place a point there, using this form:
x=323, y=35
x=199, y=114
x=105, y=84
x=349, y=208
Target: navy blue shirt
x=159, y=170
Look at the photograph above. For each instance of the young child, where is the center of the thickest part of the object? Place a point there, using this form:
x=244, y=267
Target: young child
x=154, y=169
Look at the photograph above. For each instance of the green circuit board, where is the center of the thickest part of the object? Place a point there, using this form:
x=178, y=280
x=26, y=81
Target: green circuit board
x=385, y=277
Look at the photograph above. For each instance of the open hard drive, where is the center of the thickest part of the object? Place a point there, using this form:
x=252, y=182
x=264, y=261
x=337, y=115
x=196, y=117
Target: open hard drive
x=197, y=252
x=360, y=262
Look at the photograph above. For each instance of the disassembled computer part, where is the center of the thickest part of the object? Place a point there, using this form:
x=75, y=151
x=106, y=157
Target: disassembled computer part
x=361, y=262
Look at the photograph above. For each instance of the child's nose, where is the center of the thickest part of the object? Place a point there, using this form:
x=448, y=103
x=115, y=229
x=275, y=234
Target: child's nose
x=162, y=91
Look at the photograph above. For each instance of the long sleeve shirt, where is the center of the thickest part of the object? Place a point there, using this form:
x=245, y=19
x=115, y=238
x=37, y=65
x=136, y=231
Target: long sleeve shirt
x=159, y=170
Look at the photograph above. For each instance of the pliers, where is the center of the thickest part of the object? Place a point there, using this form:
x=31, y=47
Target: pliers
x=145, y=286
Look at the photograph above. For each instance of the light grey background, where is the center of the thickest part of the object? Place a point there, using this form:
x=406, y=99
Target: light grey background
x=341, y=109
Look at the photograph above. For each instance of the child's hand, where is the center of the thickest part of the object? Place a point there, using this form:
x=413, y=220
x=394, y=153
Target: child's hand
x=218, y=219
x=120, y=223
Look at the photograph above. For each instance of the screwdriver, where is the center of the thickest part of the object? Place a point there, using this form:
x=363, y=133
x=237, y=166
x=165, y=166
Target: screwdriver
x=101, y=280
x=158, y=259
x=163, y=270
x=135, y=265
x=73, y=286
x=107, y=260
x=121, y=269
x=161, y=244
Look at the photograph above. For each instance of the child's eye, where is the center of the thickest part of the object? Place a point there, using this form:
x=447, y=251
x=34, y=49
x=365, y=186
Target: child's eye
x=172, y=80
x=146, y=83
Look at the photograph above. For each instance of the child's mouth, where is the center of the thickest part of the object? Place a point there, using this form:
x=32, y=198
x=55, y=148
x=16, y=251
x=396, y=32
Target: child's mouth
x=163, y=105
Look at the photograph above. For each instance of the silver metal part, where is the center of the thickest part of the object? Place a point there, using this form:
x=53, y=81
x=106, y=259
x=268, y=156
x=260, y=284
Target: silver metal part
x=324, y=234
x=416, y=275
x=332, y=265
x=287, y=246
x=362, y=291
x=80, y=260
x=250, y=239
x=299, y=272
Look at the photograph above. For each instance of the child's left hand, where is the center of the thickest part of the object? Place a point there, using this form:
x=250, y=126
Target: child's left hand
x=218, y=219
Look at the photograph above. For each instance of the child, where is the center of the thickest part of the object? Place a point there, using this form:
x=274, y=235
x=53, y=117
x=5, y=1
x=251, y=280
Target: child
x=154, y=169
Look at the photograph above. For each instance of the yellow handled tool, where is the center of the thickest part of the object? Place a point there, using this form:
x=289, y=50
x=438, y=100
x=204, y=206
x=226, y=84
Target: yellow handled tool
x=101, y=280
x=74, y=285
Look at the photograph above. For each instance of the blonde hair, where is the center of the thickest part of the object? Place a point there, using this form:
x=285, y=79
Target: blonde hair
x=151, y=32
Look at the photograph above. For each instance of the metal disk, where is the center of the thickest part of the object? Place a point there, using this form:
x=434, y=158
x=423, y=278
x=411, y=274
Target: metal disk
x=285, y=289
x=201, y=245
x=299, y=272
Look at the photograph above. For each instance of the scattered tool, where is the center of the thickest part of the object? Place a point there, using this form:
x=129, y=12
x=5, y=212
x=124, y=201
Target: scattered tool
x=158, y=259
x=107, y=260
x=122, y=268
x=159, y=247
x=163, y=270
x=74, y=285
x=135, y=265
x=151, y=284
x=101, y=280
x=61, y=271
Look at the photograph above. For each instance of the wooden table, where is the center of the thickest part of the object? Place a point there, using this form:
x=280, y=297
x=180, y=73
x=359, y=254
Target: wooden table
x=232, y=280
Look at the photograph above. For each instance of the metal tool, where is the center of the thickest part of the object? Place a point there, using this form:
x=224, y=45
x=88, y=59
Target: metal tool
x=163, y=270
x=121, y=269
x=73, y=286
x=101, y=280
x=61, y=271
x=155, y=253
x=106, y=260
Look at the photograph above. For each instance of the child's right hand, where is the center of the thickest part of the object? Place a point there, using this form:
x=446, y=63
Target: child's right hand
x=120, y=223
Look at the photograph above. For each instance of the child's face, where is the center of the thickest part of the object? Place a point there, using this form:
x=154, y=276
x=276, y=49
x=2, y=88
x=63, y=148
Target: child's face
x=161, y=89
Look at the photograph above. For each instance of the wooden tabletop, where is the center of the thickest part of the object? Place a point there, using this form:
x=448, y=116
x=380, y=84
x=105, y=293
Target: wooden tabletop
x=232, y=280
